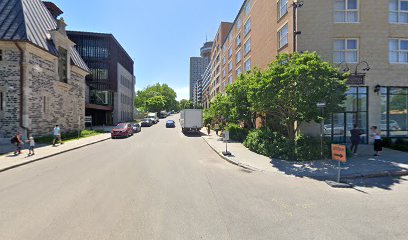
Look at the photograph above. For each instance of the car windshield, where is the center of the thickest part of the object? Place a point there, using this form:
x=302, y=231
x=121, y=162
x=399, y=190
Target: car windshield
x=146, y=119
x=170, y=121
x=121, y=125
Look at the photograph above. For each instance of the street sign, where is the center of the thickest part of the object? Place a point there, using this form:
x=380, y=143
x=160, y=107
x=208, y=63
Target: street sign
x=226, y=136
x=339, y=153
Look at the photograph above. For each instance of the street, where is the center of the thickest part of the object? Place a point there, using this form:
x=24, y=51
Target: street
x=161, y=184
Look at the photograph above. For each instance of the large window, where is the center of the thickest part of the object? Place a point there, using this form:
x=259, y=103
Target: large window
x=63, y=65
x=247, y=46
x=248, y=7
x=230, y=66
x=238, y=24
x=247, y=27
x=345, y=50
x=346, y=11
x=230, y=52
x=394, y=111
x=398, y=11
x=398, y=50
x=248, y=65
x=283, y=8
x=283, y=36
x=239, y=57
x=238, y=41
x=239, y=71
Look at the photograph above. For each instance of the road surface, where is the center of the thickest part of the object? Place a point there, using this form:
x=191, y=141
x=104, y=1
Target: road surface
x=160, y=184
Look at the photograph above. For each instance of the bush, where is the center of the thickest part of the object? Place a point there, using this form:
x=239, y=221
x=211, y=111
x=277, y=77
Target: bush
x=387, y=142
x=236, y=132
x=275, y=145
x=400, y=145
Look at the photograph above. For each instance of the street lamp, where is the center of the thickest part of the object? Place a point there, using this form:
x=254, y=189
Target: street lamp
x=321, y=106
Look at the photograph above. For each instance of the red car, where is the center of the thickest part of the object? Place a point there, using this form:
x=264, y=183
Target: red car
x=122, y=130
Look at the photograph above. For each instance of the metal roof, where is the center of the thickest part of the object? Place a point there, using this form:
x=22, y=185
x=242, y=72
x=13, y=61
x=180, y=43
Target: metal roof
x=30, y=20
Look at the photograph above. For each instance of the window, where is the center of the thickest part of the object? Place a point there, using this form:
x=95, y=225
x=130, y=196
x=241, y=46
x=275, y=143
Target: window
x=238, y=24
x=1, y=55
x=230, y=79
x=283, y=8
x=238, y=42
x=239, y=71
x=2, y=100
x=230, y=66
x=248, y=65
x=283, y=36
x=230, y=38
x=398, y=11
x=247, y=27
x=230, y=52
x=224, y=73
x=224, y=60
x=247, y=46
x=63, y=65
x=398, y=50
x=238, y=58
x=346, y=11
x=394, y=115
x=345, y=50
x=248, y=7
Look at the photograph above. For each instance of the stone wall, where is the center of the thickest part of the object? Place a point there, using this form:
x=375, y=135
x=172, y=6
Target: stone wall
x=10, y=88
x=47, y=101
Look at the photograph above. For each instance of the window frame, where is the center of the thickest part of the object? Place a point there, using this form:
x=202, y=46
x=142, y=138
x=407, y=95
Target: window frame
x=280, y=38
x=238, y=57
x=346, y=11
x=246, y=65
x=346, y=50
x=63, y=61
x=280, y=7
x=246, y=45
x=248, y=7
x=398, y=51
x=398, y=12
x=246, y=30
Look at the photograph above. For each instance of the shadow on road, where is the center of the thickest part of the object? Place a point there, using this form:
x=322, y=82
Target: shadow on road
x=193, y=134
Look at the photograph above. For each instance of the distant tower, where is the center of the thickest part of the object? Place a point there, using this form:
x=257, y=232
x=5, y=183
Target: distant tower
x=197, y=68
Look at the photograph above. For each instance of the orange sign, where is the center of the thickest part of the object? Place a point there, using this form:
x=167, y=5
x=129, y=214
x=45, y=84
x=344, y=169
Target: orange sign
x=339, y=153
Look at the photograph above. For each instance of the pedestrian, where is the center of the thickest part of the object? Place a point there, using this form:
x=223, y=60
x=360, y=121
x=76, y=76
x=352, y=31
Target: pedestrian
x=18, y=142
x=376, y=135
x=217, y=128
x=355, y=138
x=31, y=141
x=57, y=135
x=208, y=129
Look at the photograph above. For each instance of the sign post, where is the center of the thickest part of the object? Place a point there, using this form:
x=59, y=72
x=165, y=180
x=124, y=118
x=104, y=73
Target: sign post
x=226, y=138
x=339, y=154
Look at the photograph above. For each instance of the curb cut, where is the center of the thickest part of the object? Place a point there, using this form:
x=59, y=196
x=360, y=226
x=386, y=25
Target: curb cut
x=230, y=160
x=51, y=155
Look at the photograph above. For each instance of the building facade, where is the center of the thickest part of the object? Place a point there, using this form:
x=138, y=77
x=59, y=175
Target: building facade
x=42, y=76
x=367, y=39
x=197, y=68
x=111, y=84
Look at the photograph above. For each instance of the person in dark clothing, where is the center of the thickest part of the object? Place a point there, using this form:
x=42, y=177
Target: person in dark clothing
x=355, y=138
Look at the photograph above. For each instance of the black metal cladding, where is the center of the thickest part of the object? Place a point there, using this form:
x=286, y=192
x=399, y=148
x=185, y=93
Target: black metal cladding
x=102, y=53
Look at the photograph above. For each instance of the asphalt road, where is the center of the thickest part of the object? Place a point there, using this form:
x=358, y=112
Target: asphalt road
x=160, y=184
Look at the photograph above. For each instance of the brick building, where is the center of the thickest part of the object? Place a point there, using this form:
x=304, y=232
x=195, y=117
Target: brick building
x=368, y=39
x=42, y=76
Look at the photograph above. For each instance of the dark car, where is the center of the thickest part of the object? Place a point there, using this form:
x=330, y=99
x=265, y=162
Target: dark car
x=122, y=130
x=136, y=127
x=147, y=122
x=170, y=124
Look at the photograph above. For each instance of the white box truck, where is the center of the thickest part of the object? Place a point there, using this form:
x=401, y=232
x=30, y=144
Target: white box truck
x=191, y=120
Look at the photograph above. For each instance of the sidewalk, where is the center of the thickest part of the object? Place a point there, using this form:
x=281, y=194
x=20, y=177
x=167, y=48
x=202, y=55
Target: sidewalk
x=390, y=163
x=9, y=160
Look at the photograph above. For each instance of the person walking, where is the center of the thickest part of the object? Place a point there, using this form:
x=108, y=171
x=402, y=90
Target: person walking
x=355, y=138
x=57, y=135
x=376, y=135
x=208, y=129
x=217, y=128
x=18, y=142
x=31, y=141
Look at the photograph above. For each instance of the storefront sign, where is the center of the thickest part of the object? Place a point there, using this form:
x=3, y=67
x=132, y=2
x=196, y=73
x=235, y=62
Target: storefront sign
x=356, y=79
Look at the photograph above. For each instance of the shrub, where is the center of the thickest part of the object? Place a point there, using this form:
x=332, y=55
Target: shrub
x=275, y=145
x=401, y=145
x=387, y=142
x=237, y=133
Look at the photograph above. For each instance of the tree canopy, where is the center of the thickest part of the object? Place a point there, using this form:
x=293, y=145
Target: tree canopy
x=155, y=96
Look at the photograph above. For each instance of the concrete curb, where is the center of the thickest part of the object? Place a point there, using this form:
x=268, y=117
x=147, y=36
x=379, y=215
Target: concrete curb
x=377, y=174
x=239, y=164
x=51, y=155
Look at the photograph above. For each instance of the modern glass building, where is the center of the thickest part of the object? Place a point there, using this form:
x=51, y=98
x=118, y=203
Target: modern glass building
x=111, y=83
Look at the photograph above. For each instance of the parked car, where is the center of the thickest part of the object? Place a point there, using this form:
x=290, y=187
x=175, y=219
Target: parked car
x=154, y=117
x=136, y=127
x=170, y=124
x=147, y=122
x=122, y=130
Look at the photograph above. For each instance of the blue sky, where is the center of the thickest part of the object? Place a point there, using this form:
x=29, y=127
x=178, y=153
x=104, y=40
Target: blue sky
x=159, y=35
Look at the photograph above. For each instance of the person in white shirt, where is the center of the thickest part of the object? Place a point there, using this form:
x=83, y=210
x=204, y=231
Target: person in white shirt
x=31, y=141
x=57, y=135
x=376, y=135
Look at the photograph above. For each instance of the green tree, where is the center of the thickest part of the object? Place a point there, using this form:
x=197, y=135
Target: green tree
x=292, y=86
x=186, y=104
x=155, y=104
x=168, y=94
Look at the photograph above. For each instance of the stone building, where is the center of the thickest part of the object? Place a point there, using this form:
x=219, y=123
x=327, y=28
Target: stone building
x=42, y=77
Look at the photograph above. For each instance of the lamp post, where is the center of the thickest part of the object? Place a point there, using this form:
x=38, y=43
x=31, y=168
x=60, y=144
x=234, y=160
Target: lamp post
x=321, y=106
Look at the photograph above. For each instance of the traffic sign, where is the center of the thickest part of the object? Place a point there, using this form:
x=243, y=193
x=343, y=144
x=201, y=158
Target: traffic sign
x=339, y=153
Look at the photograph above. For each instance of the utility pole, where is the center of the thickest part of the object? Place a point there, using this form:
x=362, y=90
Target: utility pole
x=296, y=5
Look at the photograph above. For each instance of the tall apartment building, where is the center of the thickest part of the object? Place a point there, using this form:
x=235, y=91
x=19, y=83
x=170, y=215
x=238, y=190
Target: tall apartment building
x=197, y=68
x=369, y=39
x=111, y=84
